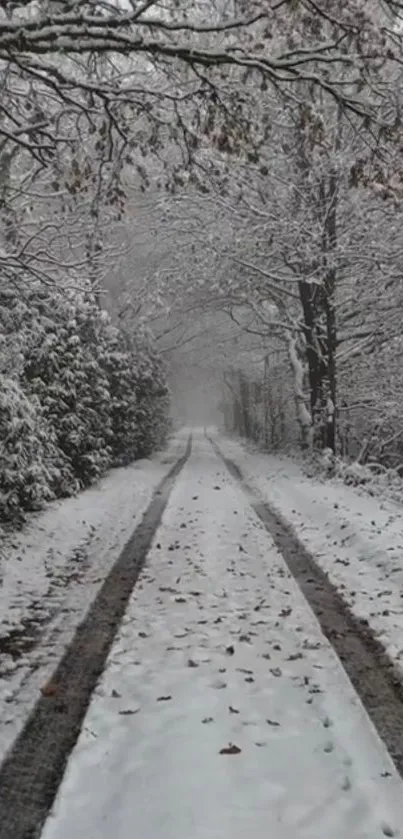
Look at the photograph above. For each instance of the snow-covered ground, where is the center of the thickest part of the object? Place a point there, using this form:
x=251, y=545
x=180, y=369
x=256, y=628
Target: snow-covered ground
x=356, y=539
x=223, y=712
x=51, y=571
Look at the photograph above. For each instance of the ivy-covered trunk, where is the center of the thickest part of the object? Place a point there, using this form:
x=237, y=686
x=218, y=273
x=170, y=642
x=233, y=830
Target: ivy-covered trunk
x=317, y=295
x=320, y=339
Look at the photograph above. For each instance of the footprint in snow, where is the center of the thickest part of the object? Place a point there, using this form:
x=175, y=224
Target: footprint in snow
x=387, y=830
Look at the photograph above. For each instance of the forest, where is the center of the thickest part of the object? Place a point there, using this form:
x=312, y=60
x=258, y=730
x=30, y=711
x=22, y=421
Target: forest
x=209, y=189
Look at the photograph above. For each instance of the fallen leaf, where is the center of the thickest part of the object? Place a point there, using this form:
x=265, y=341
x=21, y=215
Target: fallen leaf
x=233, y=710
x=273, y=722
x=231, y=749
x=275, y=671
x=230, y=650
x=192, y=663
x=180, y=599
x=245, y=638
x=49, y=689
x=207, y=720
x=249, y=679
x=115, y=694
x=164, y=698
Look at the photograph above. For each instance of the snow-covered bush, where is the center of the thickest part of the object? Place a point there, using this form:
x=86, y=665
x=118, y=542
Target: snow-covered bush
x=64, y=373
x=29, y=463
x=76, y=396
x=152, y=401
x=120, y=367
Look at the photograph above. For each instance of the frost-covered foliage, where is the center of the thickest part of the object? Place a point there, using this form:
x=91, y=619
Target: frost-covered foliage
x=30, y=464
x=152, y=401
x=140, y=398
x=76, y=397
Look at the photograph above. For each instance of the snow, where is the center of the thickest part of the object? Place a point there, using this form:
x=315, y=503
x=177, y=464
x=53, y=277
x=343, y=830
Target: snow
x=51, y=571
x=219, y=647
x=356, y=539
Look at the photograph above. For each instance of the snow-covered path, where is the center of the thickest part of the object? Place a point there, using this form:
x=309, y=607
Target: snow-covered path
x=51, y=571
x=223, y=712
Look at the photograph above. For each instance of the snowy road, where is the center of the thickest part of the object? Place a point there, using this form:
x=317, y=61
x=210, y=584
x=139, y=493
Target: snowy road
x=220, y=651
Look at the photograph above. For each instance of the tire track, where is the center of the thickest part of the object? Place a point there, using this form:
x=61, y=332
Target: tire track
x=34, y=767
x=363, y=657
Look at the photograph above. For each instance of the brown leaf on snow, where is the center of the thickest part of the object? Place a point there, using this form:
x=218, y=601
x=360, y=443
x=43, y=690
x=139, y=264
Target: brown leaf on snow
x=275, y=671
x=180, y=599
x=245, y=638
x=231, y=749
x=164, y=698
x=49, y=689
x=230, y=650
x=233, y=710
x=192, y=663
x=273, y=722
x=128, y=712
x=207, y=720
x=249, y=679
x=285, y=612
x=115, y=694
